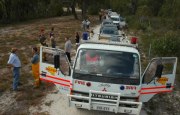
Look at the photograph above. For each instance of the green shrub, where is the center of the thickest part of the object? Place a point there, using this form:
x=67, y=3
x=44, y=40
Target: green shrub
x=167, y=45
x=93, y=10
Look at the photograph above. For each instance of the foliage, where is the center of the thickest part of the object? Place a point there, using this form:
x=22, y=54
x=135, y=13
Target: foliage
x=144, y=11
x=168, y=45
x=170, y=8
x=55, y=8
x=20, y=10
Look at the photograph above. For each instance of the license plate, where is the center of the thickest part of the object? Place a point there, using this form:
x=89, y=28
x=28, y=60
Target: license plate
x=101, y=108
x=104, y=96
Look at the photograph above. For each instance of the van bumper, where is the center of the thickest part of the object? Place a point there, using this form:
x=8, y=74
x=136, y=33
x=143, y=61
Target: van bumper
x=102, y=104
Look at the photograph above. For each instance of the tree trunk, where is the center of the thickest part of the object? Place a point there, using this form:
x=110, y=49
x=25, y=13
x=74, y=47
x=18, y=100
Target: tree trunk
x=133, y=6
x=74, y=10
x=84, y=8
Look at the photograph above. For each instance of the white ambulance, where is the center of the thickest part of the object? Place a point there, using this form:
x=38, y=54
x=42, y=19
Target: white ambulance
x=107, y=76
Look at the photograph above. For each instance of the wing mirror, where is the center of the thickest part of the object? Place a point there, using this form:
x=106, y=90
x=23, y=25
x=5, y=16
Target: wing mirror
x=56, y=61
x=159, y=71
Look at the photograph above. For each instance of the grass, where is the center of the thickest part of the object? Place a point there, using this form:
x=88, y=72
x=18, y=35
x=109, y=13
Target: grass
x=24, y=36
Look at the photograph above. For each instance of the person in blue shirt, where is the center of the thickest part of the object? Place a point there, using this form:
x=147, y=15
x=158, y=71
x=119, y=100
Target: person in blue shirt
x=85, y=35
x=16, y=64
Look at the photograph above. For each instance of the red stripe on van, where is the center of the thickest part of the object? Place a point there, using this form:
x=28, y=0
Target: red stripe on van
x=156, y=92
x=54, y=82
x=157, y=87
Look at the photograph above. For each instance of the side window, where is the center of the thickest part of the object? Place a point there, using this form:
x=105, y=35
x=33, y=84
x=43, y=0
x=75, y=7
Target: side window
x=150, y=72
x=168, y=67
x=64, y=65
x=47, y=58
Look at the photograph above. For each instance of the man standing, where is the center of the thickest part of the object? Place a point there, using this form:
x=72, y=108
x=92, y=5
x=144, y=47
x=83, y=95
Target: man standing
x=84, y=25
x=77, y=38
x=35, y=67
x=16, y=64
x=87, y=24
x=67, y=48
x=42, y=38
x=85, y=36
x=52, y=38
x=52, y=41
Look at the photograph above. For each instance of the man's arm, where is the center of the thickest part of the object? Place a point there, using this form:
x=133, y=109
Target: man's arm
x=65, y=47
x=10, y=62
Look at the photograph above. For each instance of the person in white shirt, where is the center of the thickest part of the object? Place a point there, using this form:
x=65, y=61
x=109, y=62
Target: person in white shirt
x=84, y=25
x=67, y=48
x=16, y=64
x=87, y=24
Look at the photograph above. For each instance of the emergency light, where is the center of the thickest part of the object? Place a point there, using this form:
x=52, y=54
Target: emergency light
x=133, y=40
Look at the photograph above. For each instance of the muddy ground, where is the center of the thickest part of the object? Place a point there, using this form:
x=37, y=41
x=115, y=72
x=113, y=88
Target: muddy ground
x=34, y=101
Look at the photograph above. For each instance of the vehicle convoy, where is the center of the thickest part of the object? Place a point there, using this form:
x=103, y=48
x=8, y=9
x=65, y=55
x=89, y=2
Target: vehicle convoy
x=117, y=20
x=107, y=76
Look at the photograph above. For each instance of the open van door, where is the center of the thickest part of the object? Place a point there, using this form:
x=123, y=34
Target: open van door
x=158, y=77
x=55, y=68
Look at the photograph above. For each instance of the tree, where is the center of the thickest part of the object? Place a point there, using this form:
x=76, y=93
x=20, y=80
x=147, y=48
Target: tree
x=84, y=8
x=133, y=6
x=73, y=9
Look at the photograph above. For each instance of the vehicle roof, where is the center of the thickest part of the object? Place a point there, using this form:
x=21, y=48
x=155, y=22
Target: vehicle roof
x=110, y=46
x=107, y=20
x=109, y=28
x=114, y=13
x=109, y=25
x=115, y=16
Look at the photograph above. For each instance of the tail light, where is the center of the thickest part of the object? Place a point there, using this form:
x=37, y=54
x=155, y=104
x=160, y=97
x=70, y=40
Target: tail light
x=133, y=40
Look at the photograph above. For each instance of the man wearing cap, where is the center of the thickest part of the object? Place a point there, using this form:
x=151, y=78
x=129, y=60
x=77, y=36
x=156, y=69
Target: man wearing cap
x=16, y=64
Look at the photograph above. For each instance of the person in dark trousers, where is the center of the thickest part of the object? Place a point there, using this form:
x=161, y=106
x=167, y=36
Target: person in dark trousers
x=52, y=38
x=100, y=16
x=42, y=38
x=52, y=41
x=67, y=48
x=77, y=38
x=14, y=62
x=52, y=32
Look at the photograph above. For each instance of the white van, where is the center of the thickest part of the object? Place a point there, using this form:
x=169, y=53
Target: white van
x=117, y=20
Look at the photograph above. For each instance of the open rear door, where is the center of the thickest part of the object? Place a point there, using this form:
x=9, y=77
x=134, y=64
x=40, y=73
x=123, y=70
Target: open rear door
x=153, y=84
x=55, y=68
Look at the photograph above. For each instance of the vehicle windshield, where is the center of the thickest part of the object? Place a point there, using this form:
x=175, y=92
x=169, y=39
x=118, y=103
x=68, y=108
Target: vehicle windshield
x=107, y=66
x=107, y=23
x=115, y=18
